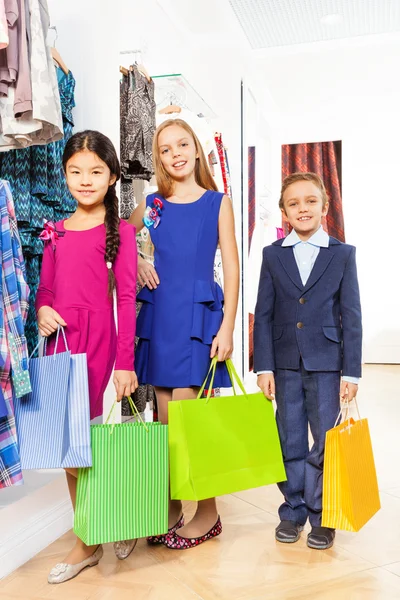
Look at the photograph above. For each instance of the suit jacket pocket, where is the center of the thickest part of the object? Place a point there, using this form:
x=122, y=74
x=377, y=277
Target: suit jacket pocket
x=333, y=333
x=277, y=332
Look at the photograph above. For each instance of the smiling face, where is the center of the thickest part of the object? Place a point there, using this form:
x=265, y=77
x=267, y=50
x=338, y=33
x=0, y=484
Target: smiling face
x=88, y=178
x=304, y=208
x=177, y=152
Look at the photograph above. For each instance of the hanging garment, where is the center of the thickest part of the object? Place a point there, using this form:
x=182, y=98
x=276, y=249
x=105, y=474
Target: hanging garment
x=138, y=109
x=42, y=122
x=9, y=55
x=23, y=89
x=224, y=166
x=144, y=393
x=14, y=297
x=127, y=201
x=40, y=192
x=3, y=26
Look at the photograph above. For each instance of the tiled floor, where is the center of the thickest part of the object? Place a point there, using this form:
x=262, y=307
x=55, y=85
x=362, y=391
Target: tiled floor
x=246, y=562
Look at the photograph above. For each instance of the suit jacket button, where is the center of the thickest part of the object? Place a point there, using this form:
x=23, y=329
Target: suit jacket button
x=300, y=325
x=302, y=301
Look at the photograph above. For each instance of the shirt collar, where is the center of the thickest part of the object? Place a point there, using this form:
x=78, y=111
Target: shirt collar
x=320, y=239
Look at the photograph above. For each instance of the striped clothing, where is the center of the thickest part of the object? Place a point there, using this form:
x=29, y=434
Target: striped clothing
x=14, y=296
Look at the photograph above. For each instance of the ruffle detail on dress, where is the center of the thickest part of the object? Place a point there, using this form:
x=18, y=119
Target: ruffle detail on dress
x=208, y=301
x=144, y=323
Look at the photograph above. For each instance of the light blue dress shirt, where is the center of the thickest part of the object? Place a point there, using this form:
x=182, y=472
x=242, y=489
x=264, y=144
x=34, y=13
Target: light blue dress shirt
x=306, y=254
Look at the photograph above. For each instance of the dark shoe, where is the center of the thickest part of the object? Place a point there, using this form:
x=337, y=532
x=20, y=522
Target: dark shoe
x=321, y=538
x=174, y=541
x=160, y=539
x=288, y=532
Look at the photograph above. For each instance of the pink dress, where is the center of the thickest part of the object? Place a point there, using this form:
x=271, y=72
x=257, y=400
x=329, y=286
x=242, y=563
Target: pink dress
x=74, y=281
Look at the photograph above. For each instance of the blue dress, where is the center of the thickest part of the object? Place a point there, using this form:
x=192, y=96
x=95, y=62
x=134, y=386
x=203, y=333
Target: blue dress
x=178, y=320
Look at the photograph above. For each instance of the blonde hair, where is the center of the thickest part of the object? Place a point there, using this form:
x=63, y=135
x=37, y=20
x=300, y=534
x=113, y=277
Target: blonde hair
x=165, y=182
x=313, y=177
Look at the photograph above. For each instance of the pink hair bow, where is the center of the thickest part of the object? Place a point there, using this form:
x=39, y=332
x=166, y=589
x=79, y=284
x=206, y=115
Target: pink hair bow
x=49, y=233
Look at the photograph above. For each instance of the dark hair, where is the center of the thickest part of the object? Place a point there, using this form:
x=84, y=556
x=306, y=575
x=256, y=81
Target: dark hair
x=96, y=142
x=294, y=177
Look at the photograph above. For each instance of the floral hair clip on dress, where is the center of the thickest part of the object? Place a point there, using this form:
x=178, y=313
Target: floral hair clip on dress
x=152, y=214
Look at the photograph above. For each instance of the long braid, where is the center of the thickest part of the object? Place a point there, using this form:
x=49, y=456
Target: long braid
x=111, y=221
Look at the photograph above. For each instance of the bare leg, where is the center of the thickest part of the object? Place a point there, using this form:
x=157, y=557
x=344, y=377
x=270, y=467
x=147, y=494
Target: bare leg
x=206, y=514
x=164, y=395
x=80, y=551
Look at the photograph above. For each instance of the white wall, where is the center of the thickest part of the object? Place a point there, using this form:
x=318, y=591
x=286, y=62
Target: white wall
x=88, y=43
x=352, y=94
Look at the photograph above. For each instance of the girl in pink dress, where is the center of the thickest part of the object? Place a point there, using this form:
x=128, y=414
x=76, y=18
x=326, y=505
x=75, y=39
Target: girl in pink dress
x=85, y=258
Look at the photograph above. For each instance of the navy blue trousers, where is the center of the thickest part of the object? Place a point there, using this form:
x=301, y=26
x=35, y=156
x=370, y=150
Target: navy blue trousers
x=304, y=398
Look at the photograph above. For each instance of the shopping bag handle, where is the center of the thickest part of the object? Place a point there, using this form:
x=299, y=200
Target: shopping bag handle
x=213, y=367
x=233, y=376
x=134, y=410
x=344, y=412
x=43, y=340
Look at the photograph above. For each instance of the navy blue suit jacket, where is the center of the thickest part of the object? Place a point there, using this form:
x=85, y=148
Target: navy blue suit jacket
x=319, y=323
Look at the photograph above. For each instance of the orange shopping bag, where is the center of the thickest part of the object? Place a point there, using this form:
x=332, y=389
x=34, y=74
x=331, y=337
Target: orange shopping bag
x=350, y=488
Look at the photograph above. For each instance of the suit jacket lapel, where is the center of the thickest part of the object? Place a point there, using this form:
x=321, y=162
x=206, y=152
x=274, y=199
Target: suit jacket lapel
x=323, y=259
x=286, y=256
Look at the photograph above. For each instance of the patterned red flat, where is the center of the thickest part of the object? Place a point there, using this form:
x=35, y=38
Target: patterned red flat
x=175, y=541
x=160, y=539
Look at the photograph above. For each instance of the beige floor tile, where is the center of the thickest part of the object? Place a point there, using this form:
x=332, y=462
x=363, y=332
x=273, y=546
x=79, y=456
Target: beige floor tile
x=246, y=561
x=392, y=491
x=267, y=498
x=393, y=568
x=379, y=540
x=374, y=584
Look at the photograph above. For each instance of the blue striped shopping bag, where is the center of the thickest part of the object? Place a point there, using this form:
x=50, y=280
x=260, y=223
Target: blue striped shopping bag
x=53, y=421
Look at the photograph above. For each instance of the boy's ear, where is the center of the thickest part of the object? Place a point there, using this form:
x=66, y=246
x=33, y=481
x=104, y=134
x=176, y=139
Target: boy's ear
x=284, y=214
x=325, y=209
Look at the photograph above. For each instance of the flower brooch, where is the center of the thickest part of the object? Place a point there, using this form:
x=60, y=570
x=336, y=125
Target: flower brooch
x=50, y=233
x=152, y=214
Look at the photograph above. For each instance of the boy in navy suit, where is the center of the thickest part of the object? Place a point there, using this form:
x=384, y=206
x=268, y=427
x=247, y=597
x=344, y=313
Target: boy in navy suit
x=307, y=347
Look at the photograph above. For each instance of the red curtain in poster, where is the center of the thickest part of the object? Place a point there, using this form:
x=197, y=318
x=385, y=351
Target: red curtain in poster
x=321, y=158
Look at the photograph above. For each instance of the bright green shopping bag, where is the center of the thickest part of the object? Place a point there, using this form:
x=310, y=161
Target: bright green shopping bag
x=124, y=495
x=222, y=445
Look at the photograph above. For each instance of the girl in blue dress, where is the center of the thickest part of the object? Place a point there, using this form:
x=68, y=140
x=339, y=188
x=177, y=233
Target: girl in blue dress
x=181, y=325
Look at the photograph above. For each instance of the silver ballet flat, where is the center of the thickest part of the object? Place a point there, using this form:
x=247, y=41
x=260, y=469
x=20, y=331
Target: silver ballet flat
x=64, y=572
x=124, y=549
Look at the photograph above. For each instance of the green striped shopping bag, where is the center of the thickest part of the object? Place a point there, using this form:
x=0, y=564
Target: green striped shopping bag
x=124, y=495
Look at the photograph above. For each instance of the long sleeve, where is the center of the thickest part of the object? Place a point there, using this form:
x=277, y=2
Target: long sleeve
x=350, y=309
x=264, y=359
x=125, y=270
x=45, y=296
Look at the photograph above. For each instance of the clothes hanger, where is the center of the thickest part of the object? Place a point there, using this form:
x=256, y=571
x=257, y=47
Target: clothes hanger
x=170, y=109
x=140, y=67
x=143, y=71
x=56, y=55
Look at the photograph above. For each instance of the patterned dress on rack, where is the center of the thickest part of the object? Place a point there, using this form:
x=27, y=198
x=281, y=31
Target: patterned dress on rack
x=138, y=124
x=40, y=192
